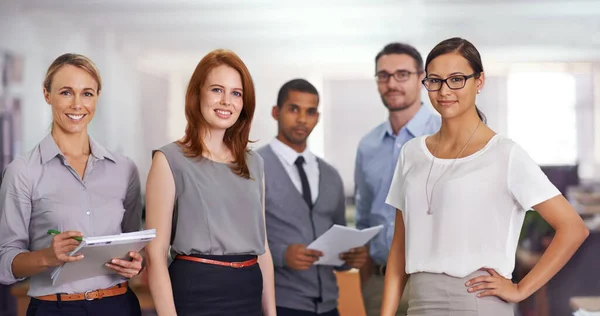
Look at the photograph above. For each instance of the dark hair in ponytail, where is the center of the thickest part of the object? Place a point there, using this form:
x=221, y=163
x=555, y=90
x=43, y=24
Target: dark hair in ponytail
x=466, y=50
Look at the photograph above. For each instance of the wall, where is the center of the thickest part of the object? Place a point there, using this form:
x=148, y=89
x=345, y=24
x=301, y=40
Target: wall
x=116, y=124
x=268, y=79
x=154, y=108
x=355, y=108
x=596, y=105
x=21, y=37
x=139, y=111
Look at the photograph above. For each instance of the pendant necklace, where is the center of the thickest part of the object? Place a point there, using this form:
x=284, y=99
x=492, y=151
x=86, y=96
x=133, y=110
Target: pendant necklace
x=430, y=198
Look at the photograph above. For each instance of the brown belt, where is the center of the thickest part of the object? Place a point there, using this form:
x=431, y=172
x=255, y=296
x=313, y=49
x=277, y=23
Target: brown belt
x=118, y=289
x=236, y=265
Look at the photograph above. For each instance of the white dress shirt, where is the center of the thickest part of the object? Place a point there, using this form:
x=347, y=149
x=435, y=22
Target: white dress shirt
x=288, y=156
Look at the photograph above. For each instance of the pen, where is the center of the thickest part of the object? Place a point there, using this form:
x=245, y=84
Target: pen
x=56, y=232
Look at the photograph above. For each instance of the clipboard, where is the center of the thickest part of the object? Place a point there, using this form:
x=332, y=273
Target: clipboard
x=97, y=251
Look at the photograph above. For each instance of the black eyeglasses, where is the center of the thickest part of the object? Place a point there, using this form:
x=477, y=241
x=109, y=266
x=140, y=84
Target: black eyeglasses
x=400, y=75
x=453, y=82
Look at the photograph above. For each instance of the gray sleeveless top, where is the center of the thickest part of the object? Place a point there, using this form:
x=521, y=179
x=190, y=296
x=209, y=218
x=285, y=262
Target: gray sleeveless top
x=217, y=211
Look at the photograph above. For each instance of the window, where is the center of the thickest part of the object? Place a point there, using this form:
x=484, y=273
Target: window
x=542, y=116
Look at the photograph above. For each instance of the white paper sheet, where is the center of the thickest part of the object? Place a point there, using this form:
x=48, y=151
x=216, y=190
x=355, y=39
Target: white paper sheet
x=339, y=239
x=582, y=312
x=97, y=251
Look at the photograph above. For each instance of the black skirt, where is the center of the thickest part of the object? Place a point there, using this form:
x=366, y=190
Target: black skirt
x=211, y=290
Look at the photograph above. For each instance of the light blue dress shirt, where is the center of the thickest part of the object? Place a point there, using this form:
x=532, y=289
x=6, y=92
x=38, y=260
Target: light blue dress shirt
x=375, y=163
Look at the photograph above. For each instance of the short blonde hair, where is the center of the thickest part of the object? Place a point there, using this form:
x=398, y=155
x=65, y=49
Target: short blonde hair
x=76, y=60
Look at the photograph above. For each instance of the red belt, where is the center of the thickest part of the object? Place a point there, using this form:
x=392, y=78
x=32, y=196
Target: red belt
x=236, y=265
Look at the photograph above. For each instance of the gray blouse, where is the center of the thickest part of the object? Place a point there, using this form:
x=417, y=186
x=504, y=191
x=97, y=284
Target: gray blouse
x=217, y=212
x=41, y=191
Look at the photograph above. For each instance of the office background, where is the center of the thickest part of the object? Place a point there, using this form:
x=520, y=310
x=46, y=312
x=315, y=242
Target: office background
x=541, y=58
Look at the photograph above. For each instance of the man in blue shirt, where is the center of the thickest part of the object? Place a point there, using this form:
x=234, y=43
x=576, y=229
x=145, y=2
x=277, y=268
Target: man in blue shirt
x=398, y=72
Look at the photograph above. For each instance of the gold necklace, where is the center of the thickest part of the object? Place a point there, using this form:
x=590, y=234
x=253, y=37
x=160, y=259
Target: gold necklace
x=430, y=199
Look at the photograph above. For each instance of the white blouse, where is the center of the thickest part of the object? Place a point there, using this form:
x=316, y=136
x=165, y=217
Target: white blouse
x=478, y=206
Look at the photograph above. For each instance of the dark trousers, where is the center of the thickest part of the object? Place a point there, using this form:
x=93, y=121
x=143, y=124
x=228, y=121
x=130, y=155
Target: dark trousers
x=8, y=304
x=120, y=305
x=282, y=311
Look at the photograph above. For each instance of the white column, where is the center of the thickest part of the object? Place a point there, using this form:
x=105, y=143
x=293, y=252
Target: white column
x=176, y=118
x=584, y=105
x=21, y=38
x=596, y=111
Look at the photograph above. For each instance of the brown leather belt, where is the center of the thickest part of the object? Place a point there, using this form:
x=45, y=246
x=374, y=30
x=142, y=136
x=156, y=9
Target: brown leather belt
x=118, y=289
x=236, y=265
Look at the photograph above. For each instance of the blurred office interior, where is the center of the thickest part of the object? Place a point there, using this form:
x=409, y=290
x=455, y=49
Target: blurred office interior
x=541, y=59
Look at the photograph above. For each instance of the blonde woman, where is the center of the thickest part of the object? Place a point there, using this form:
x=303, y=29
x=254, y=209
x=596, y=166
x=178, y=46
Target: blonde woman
x=70, y=183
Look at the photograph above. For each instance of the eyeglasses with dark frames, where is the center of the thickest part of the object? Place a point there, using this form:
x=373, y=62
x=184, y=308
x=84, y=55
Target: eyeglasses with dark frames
x=456, y=82
x=400, y=75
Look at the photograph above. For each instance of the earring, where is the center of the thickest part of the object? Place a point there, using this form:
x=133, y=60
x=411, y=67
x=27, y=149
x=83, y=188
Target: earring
x=478, y=91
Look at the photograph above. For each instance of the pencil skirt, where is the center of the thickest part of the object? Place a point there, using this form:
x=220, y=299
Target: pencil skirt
x=436, y=294
x=210, y=290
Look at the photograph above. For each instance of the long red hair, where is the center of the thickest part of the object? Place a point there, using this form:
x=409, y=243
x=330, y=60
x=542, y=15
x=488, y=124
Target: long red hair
x=236, y=137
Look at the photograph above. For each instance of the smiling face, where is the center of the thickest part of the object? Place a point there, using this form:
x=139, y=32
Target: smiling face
x=221, y=97
x=448, y=102
x=73, y=96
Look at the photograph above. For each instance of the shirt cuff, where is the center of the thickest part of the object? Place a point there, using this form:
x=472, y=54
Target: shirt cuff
x=6, y=259
x=278, y=254
x=343, y=267
x=378, y=252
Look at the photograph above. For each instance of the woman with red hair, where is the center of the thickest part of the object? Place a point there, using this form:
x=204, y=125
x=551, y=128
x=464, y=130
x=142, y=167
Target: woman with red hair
x=205, y=197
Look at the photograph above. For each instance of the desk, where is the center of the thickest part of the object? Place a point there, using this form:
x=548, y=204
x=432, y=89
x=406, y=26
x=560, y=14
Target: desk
x=588, y=303
x=350, y=301
x=580, y=277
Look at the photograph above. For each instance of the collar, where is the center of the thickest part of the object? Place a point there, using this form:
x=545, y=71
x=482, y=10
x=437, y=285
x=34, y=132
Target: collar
x=289, y=155
x=49, y=150
x=99, y=152
x=416, y=125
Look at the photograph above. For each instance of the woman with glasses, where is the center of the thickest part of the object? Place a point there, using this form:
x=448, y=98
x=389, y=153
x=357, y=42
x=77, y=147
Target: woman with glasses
x=461, y=195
